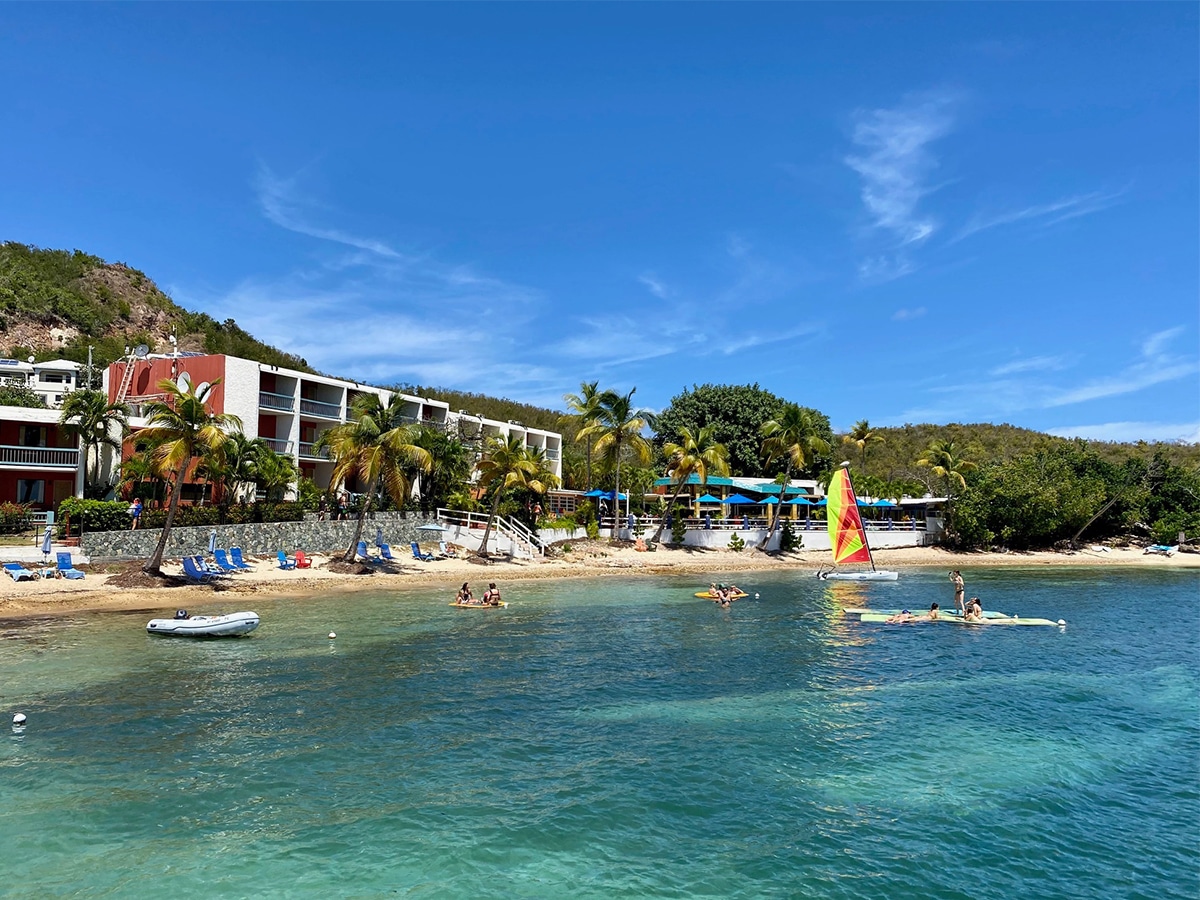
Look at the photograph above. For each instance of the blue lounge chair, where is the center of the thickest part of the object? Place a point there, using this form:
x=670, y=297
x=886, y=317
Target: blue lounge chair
x=385, y=551
x=19, y=572
x=364, y=554
x=1164, y=549
x=66, y=568
x=447, y=551
x=223, y=562
x=417, y=554
x=235, y=555
x=205, y=566
x=194, y=572
x=285, y=561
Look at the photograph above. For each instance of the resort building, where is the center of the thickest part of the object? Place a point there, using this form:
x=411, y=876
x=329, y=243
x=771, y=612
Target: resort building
x=53, y=379
x=290, y=409
x=39, y=463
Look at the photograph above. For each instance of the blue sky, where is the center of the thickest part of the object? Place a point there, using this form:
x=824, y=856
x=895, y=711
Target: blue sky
x=904, y=213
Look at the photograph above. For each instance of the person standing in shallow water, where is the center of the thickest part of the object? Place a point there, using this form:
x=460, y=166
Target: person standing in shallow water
x=960, y=591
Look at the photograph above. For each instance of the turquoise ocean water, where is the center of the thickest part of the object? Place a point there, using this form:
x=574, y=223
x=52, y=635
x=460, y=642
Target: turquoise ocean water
x=616, y=738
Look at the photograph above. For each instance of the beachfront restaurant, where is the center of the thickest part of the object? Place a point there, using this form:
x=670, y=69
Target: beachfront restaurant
x=739, y=503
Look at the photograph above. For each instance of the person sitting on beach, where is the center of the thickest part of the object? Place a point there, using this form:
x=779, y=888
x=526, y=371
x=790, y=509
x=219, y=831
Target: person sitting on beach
x=491, y=597
x=464, y=596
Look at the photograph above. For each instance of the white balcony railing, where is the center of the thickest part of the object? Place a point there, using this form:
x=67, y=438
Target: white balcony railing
x=39, y=457
x=278, y=446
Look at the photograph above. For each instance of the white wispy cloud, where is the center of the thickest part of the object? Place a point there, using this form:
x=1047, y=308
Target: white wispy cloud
x=282, y=203
x=655, y=286
x=1188, y=432
x=1032, y=364
x=1154, y=366
x=893, y=159
x=905, y=315
x=1045, y=214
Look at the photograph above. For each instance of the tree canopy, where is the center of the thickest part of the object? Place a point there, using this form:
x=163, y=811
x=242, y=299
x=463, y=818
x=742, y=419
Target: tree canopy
x=737, y=413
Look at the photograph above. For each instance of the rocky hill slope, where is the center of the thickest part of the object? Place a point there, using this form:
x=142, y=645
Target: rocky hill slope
x=55, y=303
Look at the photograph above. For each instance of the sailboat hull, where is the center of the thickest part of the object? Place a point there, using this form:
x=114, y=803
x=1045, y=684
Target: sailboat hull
x=879, y=575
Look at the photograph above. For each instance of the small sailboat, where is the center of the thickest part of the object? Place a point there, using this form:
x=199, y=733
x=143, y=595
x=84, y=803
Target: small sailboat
x=847, y=537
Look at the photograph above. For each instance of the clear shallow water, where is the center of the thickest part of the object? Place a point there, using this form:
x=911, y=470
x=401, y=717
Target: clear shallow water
x=617, y=738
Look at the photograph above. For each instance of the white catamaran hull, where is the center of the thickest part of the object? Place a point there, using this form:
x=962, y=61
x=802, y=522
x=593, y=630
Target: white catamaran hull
x=877, y=575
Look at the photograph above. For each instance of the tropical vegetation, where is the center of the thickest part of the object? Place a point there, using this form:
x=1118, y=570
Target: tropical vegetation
x=88, y=417
x=181, y=428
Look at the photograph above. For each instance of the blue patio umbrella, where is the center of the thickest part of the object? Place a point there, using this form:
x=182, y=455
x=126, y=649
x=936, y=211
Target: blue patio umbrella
x=738, y=498
x=769, y=501
x=798, y=501
x=378, y=535
x=709, y=498
x=883, y=503
x=821, y=502
x=432, y=526
x=212, y=541
x=46, y=539
x=594, y=492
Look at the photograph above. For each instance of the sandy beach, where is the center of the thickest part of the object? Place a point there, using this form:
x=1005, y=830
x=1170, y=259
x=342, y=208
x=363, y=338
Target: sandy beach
x=585, y=560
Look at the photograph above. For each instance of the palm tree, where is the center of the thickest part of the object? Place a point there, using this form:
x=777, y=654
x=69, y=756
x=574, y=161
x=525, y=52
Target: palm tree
x=89, y=418
x=505, y=464
x=238, y=466
x=944, y=461
x=586, y=407
x=698, y=453
x=862, y=436
x=183, y=428
x=619, y=425
x=376, y=446
x=276, y=472
x=792, y=436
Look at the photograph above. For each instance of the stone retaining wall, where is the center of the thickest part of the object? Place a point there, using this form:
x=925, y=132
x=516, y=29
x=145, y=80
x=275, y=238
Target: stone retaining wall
x=256, y=539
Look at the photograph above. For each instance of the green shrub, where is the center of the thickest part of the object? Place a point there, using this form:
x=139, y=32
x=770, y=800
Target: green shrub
x=679, y=525
x=736, y=544
x=787, y=537
x=14, y=517
x=76, y=516
x=593, y=530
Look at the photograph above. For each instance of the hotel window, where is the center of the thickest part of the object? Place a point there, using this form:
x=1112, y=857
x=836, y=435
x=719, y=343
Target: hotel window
x=29, y=491
x=33, y=436
x=52, y=377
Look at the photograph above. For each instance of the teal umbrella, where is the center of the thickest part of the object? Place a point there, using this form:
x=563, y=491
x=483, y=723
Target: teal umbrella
x=709, y=498
x=738, y=498
x=768, y=501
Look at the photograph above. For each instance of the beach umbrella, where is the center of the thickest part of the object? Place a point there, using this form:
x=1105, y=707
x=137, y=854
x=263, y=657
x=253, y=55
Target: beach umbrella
x=738, y=498
x=769, y=501
x=594, y=492
x=883, y=503
x=798, y=501
x=431, y=526
x=378, y=535
x=46, y=539
x=212, y=542
x=708, y=498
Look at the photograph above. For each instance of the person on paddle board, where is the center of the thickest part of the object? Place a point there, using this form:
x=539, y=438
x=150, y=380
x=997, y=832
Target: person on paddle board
x=491, y=597
x=464, y=595
x=960, y=591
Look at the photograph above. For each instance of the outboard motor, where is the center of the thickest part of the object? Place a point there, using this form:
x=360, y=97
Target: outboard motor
x=181, y=614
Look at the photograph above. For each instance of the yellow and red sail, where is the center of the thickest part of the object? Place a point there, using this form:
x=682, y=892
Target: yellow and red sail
x=846, y=535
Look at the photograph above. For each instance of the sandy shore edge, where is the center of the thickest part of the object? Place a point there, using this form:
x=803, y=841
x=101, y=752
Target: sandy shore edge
x=59, y=597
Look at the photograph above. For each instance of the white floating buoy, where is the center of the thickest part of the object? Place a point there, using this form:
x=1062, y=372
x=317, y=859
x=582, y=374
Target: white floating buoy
x=1062, y=621
x=332, y=635
x=756, y=595
x=19, y=720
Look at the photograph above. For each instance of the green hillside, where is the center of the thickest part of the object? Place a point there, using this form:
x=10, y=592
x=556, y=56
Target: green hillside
x=55, y=303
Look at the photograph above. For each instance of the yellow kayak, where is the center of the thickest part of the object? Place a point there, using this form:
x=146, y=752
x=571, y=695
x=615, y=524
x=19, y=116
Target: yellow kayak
x=707, y=595
x=500, y=605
